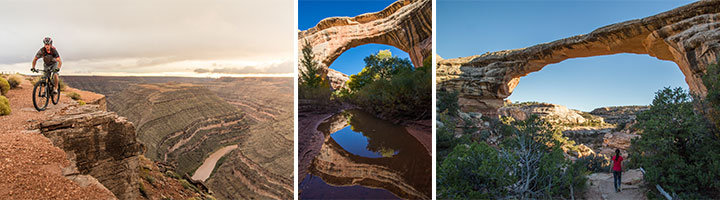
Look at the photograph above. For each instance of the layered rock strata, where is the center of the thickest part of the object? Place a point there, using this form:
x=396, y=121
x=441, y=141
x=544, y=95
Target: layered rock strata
x=100, y=144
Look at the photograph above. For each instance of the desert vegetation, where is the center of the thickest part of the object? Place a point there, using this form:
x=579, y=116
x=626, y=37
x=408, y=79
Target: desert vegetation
x=678, y=147
x=4, y=86
x=388, y=86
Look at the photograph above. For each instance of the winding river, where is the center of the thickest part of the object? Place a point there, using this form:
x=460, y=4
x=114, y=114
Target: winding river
x=203, y=172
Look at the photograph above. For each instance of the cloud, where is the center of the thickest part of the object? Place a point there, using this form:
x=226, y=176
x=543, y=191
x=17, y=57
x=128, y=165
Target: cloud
x=139, y=34
x=274, y=68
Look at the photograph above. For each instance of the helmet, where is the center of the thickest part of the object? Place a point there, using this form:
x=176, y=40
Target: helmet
x=47, y=40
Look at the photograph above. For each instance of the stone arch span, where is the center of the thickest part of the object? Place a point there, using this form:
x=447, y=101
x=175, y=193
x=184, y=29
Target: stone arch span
x=687, y=35
x=405, y=24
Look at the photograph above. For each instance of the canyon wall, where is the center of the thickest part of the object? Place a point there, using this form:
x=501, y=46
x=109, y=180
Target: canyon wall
x=100, y=144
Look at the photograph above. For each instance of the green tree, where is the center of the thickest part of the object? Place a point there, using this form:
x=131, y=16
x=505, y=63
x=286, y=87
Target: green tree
x=313, y=85
x=380, y=66
x=677, y=149
x=312, y=75
x=711, y=80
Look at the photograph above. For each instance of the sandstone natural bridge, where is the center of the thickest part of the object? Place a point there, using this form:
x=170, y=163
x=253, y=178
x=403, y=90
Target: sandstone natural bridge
x=405, y=24
x=688, y=35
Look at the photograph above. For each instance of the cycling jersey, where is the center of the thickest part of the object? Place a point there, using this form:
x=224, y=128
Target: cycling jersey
x=48, y=56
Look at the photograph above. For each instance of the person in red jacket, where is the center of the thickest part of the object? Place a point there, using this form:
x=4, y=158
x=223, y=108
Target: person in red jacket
x=617, y=170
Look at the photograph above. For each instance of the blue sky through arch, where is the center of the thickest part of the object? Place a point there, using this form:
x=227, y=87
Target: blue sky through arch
x=310, y=12
x=466, y=28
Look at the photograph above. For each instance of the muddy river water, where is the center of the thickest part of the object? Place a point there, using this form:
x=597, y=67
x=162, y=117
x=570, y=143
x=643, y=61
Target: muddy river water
x=203, y=172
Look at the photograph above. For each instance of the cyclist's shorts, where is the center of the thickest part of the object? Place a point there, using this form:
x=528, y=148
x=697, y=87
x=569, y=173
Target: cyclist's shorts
x=51, y=67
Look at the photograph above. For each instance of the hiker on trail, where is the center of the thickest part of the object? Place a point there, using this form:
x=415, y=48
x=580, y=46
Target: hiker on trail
x=617, y=170
x=51, y=59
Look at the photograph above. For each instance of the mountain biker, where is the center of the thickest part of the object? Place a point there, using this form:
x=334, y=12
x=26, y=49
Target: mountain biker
x=51, y=60
x=617, y=170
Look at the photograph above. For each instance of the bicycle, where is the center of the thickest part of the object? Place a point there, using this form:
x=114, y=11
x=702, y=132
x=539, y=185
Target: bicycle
x=43, y=87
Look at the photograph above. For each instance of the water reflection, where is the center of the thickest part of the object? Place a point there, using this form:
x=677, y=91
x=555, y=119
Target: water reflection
x=367, y=159
x=358, y=144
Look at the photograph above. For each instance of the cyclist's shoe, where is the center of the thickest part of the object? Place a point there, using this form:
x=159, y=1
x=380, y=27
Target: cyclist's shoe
x=33, y=70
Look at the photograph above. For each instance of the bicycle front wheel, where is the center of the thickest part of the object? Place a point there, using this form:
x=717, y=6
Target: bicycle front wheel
x=54, y=96
x=40, y=96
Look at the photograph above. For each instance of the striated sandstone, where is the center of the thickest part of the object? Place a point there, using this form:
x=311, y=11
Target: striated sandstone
x=619, y=114
x=618, y=140
x=405, y=24
x=550, y=112
x=99, y=144
x=687, y=35
x=337, y=79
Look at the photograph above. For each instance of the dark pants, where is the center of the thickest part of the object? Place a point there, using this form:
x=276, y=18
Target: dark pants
x=617, y=175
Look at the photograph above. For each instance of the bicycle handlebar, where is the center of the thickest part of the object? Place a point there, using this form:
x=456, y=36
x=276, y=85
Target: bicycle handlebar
x=38, y=70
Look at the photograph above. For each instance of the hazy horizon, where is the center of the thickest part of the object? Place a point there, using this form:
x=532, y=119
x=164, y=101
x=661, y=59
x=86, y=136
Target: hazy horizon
x=159, y=37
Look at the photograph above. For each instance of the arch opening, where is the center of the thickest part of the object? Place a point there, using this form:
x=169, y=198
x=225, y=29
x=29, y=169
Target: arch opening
x=351, y=62
x=608, y=80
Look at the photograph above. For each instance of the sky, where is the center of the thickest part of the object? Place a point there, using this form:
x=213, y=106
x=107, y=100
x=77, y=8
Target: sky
x=351, y=61
x=165, y=37
x=466, y=28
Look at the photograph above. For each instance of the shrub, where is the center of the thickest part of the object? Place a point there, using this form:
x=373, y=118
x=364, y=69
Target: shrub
x=15, y=80
x=4, y=106
x=61, y=84
x=172, y=174
x=74, y=96
x=677, y=150
x=595, y=162
x=445, y=137
x=448, y=101
x=150, y=180
x=188, y=186
x=529, y=165
x=4, y=86
x=472, y=171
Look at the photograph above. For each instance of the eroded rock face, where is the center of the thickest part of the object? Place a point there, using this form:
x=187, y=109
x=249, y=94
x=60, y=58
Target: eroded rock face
x=618, y=140
x=619, y=114
x=100, y=144
x=337, y=79
x=550, y=112
x=405, y=24
x=688, y=35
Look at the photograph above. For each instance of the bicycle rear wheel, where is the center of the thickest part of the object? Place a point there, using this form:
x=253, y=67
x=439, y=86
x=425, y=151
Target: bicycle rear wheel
x=40, y=96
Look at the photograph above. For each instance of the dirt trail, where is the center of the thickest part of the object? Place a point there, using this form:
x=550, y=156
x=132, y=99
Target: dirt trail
x=24, y=114
x=600, y=186
x=30, y=166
